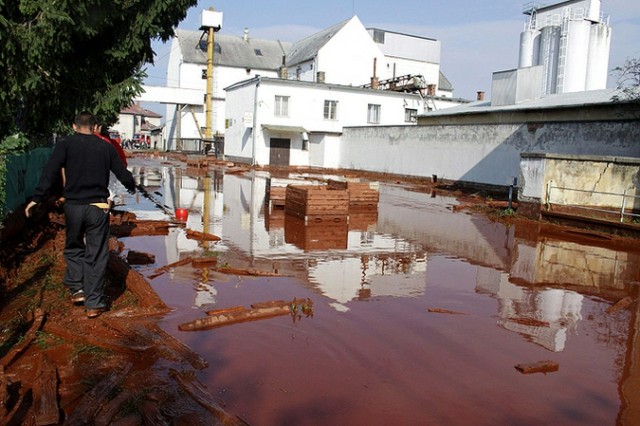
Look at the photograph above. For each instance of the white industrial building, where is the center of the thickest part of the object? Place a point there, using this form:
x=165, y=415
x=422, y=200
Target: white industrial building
x=299, y=123
x=345, y=54
x=564, y=48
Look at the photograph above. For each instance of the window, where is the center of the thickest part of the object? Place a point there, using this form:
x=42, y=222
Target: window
x=281, y=106
x=258, y=52
x=378, y=36
x=330, y=110
x=373, y=114
x=410, y=115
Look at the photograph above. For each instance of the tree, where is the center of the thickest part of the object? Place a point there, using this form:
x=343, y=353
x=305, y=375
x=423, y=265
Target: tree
x=61, y=57
x=628, y=80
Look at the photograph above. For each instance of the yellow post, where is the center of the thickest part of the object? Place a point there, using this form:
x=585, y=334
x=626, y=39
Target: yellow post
x=208, y=132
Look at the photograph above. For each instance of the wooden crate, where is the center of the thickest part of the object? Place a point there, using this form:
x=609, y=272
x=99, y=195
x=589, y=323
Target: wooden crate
x=361, y=194
x=363, y=219
x=327, y=235
x=276, y=196
x=316, y=203
x=274, y=218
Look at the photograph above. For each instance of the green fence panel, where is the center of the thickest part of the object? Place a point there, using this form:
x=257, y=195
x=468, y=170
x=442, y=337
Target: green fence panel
x=23, y=174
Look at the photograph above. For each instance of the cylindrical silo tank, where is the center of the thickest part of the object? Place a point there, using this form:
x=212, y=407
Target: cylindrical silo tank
x=593, y=14
x=548, y=57
x=598, y=62
x=575, y=69
x=526, y=48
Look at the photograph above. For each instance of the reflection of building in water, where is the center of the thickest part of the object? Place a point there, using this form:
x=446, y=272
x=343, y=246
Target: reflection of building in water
x=347, y=279
x=595, y=270
x=205, y=295
x=544, y=316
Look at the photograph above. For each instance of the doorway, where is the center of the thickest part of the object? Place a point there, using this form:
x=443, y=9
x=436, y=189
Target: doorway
x=279, y=152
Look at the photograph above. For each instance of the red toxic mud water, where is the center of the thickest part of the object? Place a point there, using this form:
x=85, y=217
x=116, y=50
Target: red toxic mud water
x=420, y=314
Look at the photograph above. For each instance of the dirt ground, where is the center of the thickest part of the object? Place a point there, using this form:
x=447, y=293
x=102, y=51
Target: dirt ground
x=57, y=366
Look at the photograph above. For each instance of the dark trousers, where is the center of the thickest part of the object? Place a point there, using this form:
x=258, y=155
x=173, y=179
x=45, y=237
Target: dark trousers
x=86, y=252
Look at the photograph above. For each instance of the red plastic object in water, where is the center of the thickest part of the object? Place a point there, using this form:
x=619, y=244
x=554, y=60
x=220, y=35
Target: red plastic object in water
x=182, y=214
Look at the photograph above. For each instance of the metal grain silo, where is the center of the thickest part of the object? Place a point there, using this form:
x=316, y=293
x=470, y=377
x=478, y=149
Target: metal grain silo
x=577, y=51
x=548, y=57
x=526, y=49
x=598, y=61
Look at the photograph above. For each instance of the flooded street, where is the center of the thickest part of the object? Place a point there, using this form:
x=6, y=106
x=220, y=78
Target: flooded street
x=420, y=312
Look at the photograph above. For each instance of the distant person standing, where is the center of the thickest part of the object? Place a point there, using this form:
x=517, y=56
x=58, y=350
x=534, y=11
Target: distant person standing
x=87, y=161
x=101, y=132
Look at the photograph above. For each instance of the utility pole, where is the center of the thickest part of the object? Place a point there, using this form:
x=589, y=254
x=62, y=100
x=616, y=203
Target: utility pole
x=211, y=22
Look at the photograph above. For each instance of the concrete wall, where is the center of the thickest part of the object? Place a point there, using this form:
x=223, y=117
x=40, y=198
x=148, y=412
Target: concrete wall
x=480, y=153
x=569, y=180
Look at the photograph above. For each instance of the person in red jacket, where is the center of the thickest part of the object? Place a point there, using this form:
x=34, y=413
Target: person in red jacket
x=101, y=132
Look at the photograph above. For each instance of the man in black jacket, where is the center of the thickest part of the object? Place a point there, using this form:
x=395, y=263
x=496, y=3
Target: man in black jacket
x=85, y=161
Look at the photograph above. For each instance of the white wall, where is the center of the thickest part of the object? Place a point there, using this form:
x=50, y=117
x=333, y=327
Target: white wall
x=487, y=154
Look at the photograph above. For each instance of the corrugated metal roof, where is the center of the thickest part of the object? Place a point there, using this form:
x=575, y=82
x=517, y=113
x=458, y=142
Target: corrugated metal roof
x=307, y=48
x=233, y=51
x=561, y=100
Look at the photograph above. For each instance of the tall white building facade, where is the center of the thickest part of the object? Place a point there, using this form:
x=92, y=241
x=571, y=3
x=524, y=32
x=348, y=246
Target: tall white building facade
x=570, y=39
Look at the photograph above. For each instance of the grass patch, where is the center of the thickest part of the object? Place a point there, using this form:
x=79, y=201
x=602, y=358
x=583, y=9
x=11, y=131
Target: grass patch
x=90, y=350
x=507, y=213
x=46, y=340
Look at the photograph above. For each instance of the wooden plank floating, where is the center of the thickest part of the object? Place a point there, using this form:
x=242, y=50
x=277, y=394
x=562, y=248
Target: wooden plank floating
x=234, y=317
x=202, y=236
x=620, y=304
x=445, y=311
x=165, y=268
x=529, y=321
x=538, y=367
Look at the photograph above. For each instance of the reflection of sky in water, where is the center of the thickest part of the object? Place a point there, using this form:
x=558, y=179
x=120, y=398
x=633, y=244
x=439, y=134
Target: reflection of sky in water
x=381, y=253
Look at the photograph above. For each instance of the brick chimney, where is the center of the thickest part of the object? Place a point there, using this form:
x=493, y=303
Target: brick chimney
x=375, y=82
x=480, y=96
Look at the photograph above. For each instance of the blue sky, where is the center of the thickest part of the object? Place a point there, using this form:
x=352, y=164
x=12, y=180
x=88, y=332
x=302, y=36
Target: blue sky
x=478, y=37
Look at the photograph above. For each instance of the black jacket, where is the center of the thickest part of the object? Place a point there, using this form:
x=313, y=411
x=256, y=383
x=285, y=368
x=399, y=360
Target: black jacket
x=87, y=161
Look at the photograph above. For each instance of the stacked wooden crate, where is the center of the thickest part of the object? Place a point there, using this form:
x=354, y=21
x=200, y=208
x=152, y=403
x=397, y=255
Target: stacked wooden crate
x=363, y=219
x=275, y=196
x=362, y=195
x=317, y=203
x=322, y=235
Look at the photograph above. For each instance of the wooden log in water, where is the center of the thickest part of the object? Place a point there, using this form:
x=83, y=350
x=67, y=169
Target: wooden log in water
x=201, y=236
x=538, y=367
x=165, y=268
x=234, y=318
